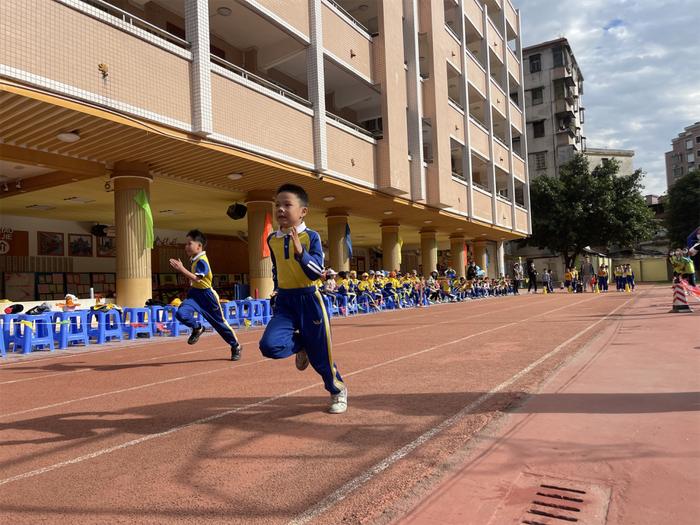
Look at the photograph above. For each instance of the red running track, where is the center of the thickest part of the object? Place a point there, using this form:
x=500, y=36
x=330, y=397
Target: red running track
x=162, y=432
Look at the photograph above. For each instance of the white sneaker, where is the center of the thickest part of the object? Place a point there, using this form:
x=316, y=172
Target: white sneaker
x=301, y=360
x=339, y=402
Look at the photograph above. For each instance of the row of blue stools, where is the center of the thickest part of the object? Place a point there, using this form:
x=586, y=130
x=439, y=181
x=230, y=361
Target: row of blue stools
x=26, y=333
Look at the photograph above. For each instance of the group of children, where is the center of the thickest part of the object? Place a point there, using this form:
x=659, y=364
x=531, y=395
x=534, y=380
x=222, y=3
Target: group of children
x=575, y=282
x=380, y=289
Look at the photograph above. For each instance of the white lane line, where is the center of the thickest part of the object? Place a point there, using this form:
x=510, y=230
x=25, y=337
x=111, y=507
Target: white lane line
x=214, y=417
x=222, y=369
x=352, y=485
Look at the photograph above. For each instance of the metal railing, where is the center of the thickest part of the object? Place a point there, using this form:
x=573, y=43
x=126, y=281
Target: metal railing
x=349, y=124
x=243, y=73
x=354, y=21
x=137, y=22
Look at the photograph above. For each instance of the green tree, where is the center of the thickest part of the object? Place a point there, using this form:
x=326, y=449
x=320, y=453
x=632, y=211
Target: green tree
x=682, y=208
x=588, y=208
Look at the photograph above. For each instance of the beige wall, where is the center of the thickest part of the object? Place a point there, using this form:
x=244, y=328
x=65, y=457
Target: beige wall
x=504, y=213
x=475, y=15
x=350, y=155
x=294, y=12
x=346, y=43
x=244, y=114
x=69, y=49
x=476, y=75
x=520, y=219
x=479, y=139
x=482, y=205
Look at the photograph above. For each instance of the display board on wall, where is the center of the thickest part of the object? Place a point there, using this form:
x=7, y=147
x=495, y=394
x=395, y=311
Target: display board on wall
x=19, y=286
x=50, y=243
x=14, y=242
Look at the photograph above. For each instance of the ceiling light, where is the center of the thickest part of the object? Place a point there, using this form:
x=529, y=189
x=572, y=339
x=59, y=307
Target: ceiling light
x=388, y=212
x=223, y=11
x=427, y=222
x=69, y=136
x=234, y=176
x=460, y=229
x=19, y=167
x=18, y=185
x=40, y=207
x=5, y=188
x=329, y=198
x=483, y=235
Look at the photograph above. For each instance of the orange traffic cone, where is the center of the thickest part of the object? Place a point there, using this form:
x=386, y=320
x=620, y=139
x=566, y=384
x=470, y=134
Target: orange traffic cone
x=680, y=301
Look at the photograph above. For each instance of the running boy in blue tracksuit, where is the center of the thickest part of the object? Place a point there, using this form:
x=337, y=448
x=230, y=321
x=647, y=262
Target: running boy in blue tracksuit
x=299, y=325
x=201, y=297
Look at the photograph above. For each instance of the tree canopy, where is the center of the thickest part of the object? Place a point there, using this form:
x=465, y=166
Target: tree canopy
x=682, y=208
x=588, y=208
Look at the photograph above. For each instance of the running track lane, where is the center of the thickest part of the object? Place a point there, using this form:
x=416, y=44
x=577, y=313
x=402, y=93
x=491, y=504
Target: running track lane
x=260, y=449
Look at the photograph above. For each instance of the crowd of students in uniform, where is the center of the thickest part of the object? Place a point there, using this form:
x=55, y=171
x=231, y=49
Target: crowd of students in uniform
x=377, y=290
x=579, y=280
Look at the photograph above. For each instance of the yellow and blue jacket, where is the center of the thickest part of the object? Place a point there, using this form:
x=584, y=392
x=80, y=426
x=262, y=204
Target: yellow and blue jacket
x=201, y=268
x=289, y=270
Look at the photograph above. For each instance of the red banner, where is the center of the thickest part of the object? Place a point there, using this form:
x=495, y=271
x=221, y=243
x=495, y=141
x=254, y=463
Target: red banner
x=267, y=230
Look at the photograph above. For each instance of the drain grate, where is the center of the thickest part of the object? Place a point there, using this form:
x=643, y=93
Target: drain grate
x=543, y=500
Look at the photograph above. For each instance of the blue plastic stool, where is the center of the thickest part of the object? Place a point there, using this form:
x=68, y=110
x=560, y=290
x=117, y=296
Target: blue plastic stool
x=352, y=305
x=165, y=315
x=137, y=321
x=73, y=328
x=253, y=311
x=109, y=325
x=2, y=337
x=40, y=335
x=267, y=310
x=233, y=313
x=10, y=324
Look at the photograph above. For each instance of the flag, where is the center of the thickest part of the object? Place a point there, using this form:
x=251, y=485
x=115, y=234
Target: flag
x=267, y=230
x=466, y=256
x=142, y=200
x=400, y=248
x=348, y=239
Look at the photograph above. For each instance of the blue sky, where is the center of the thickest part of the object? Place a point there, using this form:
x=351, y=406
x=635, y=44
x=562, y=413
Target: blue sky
x=641, y=64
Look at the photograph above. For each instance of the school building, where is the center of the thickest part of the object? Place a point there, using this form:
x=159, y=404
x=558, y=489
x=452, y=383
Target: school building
x=403, y=119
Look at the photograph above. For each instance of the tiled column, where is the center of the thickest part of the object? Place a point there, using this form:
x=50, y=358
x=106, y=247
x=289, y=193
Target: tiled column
x=523, y=136
x=480, y=255
x=316, y=82
x=337, y=248
x=391, y=249
x=428, y=250
x=259, y=204
x=197, y=31
x=509, y=131
x=133, y=256
x=501, y=257
x=459, y=261
x=489, y=117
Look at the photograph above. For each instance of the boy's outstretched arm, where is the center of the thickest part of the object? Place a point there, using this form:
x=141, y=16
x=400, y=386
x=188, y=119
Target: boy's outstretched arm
x=311, y=261
x=177, y=265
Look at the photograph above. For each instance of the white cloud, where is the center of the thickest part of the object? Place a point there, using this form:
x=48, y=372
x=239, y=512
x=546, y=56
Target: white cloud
x=640, y=61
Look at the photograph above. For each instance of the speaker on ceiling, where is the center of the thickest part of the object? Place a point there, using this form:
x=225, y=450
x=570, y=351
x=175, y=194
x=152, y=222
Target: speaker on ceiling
x=236, y=211
x=99, y=230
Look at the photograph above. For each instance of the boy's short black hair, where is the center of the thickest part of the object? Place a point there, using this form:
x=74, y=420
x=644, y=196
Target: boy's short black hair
x=198, y=236
x=296, y=190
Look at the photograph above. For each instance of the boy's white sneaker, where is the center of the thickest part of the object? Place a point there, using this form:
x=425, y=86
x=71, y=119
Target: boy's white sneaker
x=339, y=402
x=301, y=360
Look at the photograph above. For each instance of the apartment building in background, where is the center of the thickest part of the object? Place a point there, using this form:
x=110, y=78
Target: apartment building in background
x=555, y=115
x=402, y=118
x=625, y=157
x=684, y=155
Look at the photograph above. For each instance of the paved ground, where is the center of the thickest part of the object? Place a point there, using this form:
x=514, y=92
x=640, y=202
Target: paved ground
x=162, y=432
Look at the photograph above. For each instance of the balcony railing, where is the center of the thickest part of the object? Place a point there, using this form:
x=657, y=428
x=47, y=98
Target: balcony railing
x=132, y=20
x=259, y=80
x=359, y=129
x=351, y=18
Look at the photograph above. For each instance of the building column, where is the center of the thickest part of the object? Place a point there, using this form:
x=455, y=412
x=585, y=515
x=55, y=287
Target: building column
x=391, y=249
x=428, y=250
x=133, y=256
x=337, y=248
x=316, y=82
x=501, y=257
x=459, y=261
x=481, y=256
x=259, y=205
x=197, y=31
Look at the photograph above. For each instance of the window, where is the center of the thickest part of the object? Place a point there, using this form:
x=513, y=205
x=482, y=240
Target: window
x=582, y=115
x=558, y=56
x=539, y=160
x=514, y=97
x=691, y=157
x=678, y=171
x=537, y=96
x=697, y=139
x=535, y=64
x=538, y=129
x=604, y=160
x=689, y=144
